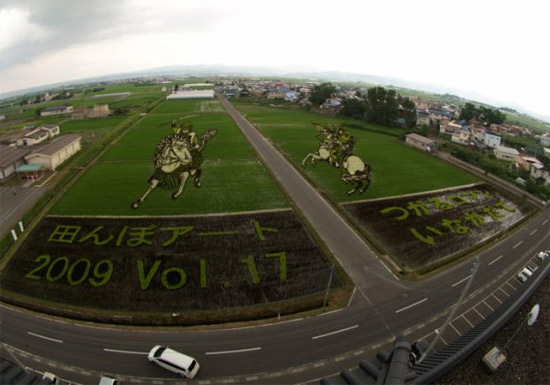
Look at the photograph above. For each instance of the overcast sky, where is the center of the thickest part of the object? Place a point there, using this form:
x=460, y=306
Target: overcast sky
x=482, y=49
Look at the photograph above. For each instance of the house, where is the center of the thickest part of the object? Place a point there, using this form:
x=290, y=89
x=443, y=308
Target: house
x=450, y=128
x=544, y=140
x=463, y=137
x=492, y=139
x=540, y=174
x=526, y=162
x=422, y=118
x=332, y=103
x=53, y=154
x=38, y=135
x=10, y=159
x=478, y=133
x=421, y=142
x=506, y=153
x=291, y=96
x=56, y=110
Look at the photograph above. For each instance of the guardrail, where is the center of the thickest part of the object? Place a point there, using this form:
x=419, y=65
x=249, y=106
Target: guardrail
x=385, y=370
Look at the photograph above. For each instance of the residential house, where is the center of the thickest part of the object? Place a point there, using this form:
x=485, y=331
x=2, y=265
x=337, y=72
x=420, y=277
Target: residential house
x=421, y=142
x=56, y=110
x=544, y=140
x=450, y=127
x=478, y=133
x=291, y=96
x=38, y=135
x=526, y=162
x=10, y=159
x=492, y=139
x=463, y=137
x=506, y=153
x=422, y=118
x=53, y=154
x=540, y=174
x=332, y=103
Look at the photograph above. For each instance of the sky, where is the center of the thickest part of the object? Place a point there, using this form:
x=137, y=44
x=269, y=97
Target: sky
x=491, y=51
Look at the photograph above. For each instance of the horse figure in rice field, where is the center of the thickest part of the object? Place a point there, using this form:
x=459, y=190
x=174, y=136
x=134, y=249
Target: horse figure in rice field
x=336, y=148
x=177, y=157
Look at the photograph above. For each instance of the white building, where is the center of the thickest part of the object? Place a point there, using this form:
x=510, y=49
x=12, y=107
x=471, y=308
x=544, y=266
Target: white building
x=51, y=155
x=491, y=139
x=38, y=135
x=194, y=94
x=56, y=110
x=506, y=153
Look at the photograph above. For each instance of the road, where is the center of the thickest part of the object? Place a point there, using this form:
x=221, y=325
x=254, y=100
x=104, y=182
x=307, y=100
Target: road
x=293, y=351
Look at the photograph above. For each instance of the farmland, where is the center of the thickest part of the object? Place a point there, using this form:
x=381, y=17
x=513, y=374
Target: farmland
x=397, y=168
x=162, y=265
x=233, y=180
x=423, y=231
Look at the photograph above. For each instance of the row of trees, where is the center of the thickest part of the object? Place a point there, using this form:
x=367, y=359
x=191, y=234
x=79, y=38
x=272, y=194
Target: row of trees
x=379, y=106
x=482, y=114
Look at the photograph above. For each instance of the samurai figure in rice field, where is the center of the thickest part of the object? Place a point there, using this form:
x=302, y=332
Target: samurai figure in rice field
x=336, y=148
x=177, y=157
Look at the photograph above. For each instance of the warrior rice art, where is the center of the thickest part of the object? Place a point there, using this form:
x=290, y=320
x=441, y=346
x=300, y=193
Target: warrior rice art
x=336, y=148
x=177, y=157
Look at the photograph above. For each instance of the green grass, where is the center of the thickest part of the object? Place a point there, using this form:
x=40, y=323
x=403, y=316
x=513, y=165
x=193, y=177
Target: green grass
x=96, y=124
x=233, y=179
x=397, y=168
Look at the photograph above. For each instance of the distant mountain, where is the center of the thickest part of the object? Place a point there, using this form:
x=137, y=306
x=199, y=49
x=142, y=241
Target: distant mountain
x=250, y=71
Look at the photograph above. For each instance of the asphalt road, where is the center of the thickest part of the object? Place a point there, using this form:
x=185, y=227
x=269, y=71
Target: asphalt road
x=294, y=351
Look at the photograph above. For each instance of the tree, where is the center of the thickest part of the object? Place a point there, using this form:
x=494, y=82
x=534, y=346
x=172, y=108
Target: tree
x=321, y=93
x=382, y=106
x=408, y=110
x=468, y=112
x=353, y=108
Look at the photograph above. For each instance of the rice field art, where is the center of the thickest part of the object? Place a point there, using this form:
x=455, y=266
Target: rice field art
x=177, y=157
x=336, y=148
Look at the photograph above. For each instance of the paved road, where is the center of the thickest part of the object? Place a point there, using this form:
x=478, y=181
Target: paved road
x=295, y=351
x=15, y=202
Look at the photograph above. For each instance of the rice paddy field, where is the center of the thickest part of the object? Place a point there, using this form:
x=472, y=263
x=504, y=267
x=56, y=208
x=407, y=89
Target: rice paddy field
x=397, y=168
x=233, y=180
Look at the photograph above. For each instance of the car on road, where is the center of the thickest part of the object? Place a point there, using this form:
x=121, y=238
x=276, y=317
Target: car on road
x=106, y=380
x=542, y=255
x=524, y=274
x=174, y=361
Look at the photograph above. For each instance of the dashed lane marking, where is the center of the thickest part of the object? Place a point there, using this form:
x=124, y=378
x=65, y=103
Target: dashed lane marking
x=496, y=259
x=45, y=338
x=335, y=332
x=233, y=351
x=408, y=307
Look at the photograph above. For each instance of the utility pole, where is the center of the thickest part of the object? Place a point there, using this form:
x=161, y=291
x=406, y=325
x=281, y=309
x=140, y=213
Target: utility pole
x=439, y=332
x=328, y=287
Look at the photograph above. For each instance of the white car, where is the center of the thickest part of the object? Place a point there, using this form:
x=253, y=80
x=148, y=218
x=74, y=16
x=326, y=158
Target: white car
x=174, y=361
x=524, y=274
x=542, y=255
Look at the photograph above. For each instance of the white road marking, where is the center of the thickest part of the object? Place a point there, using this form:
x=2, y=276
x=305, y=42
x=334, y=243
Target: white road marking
x=466, y=319
x=494, y=260
x=545, y=222
x=124, y=351
x=533, y=232
x=457, y=332
x=504, y=291
x=408, y=307
x=44, y=337
x=462, y=280
x=489, y=306
x=234, y=351
x=335, y=332
x=517, y=244
x=481, y=315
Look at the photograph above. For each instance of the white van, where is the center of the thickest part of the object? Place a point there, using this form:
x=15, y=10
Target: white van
x=174, y=361
x=524, y=274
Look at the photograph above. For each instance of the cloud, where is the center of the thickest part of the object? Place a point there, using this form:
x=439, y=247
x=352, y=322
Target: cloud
x=34, y=27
